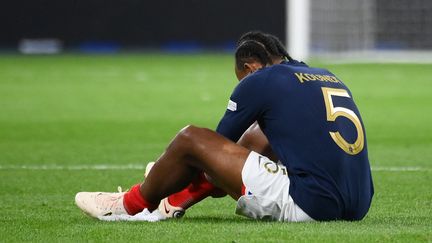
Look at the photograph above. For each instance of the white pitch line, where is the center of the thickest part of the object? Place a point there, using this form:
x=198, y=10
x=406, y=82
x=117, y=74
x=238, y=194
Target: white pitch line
x=74, y=167
x=399, y=168
x=143, y=166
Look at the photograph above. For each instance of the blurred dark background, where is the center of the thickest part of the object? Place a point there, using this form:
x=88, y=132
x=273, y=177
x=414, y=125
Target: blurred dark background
x=110, y=25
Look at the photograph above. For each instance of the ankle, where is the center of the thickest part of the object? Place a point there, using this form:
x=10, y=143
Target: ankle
x=134, y=202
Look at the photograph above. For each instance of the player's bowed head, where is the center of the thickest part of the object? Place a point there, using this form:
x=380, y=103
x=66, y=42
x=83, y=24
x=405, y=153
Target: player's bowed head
x=256, y=50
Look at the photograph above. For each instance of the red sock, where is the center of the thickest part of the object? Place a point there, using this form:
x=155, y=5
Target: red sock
x=199, y=189
x=134, y=202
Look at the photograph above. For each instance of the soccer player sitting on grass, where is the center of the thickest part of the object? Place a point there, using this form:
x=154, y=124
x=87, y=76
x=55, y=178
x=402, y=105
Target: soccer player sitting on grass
x=290, y=147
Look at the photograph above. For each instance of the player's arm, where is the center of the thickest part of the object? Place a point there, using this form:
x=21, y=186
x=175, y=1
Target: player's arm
x=254, y=139
x=246, y=105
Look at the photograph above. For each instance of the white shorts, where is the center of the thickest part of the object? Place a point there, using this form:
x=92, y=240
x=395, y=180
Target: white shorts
x=267, y=192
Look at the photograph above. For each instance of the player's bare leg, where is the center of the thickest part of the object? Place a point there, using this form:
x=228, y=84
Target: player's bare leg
x=194, y=150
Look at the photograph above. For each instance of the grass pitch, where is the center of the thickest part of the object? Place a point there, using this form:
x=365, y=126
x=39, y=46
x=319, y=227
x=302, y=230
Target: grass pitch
x=74, y=122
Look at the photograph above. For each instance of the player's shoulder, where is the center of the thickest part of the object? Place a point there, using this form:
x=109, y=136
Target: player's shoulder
x=294, y=66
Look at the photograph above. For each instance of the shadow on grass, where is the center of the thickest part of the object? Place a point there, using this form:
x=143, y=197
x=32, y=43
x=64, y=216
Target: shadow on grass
x=216, y=219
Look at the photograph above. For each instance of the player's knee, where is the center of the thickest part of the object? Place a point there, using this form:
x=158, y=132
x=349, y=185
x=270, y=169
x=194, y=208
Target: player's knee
x=188, y=134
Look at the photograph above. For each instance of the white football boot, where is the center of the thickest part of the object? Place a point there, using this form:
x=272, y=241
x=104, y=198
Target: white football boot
x=170, y=211
x=98, y=204
x=166, y=209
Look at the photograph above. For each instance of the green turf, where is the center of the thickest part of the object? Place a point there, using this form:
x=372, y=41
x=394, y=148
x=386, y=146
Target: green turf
x=77, y=110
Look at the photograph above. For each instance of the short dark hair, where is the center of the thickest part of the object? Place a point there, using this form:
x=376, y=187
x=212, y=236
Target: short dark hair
x=248, y=49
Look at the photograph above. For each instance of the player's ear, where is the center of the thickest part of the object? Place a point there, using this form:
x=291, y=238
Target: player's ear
x=247, y=67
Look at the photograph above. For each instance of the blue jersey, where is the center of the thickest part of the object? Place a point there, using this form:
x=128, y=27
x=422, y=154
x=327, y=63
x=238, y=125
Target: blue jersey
x=314, y=127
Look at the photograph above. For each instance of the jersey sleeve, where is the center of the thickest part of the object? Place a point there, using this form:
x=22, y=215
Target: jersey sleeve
x=244, y=108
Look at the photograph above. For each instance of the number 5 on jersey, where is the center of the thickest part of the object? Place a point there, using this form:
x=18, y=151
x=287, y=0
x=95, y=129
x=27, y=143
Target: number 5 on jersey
x=335, y=112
